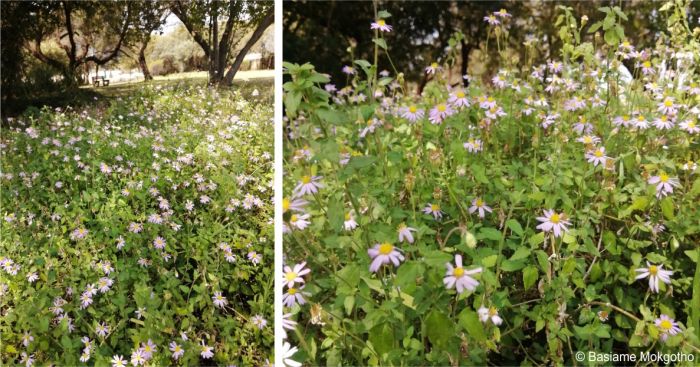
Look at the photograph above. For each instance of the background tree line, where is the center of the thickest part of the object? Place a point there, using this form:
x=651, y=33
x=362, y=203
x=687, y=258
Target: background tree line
x=43, y=38
x=424, y=32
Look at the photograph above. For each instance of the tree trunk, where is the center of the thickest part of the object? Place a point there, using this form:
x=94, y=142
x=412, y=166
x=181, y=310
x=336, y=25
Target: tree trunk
x=142, y=61
x=262, y=26
x=466, y=49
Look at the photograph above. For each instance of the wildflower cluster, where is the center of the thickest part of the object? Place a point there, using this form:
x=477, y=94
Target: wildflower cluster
x=126, y=229
x=491, y=222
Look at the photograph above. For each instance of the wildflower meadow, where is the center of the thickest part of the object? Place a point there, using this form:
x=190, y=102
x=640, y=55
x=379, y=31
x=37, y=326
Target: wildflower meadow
x=137, y=230
x=546, y=209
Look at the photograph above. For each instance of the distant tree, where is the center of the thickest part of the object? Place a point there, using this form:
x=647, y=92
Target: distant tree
x=87, y=31
x=151, y=16
x=201, y=18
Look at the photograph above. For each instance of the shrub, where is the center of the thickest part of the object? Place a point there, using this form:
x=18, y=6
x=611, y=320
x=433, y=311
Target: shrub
x=515, y=221
x=139, y=228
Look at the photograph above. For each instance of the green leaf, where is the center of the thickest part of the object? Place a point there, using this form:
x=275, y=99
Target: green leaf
x=336, y=214
x=611, y=37
x=515, y=226
x=469, y=320
x=407, y=274
x=380, y=42
x=530, y=275
x=438, y=328
x=382, y=338
x=489, y=261
x=489, y=233
x=333, y=116
x=509, y=265
x=667, y=208
x=520, y=253
x=536, y=239
x=349, y=303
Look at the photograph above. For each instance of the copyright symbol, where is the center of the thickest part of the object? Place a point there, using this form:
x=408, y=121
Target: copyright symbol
x=580, y=356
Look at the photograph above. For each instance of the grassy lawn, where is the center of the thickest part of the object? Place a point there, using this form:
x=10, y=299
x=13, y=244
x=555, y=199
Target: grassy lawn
x=246, y=82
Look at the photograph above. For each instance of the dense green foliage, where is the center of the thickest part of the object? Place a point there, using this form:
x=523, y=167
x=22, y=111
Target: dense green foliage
x=122, y=222
x=556, y=196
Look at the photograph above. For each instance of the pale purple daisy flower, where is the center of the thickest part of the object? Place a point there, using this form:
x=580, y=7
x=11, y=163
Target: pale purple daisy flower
x=439, y=113
x=412, y=113
x=597, y=156
x=491, y=313
x=480, y=205
x=433, y=68
x=259, y=321
x=308, y=185
x=177, y=350
x=664, y=184
x=654, y=273
x=219, y=300
x=552, y=221
x=294, y=275
x=434, y=210
x=405, y=233
x=381, y=25
x=459, y=278
x=667, y=326
x=382, y=254
x=294, y=296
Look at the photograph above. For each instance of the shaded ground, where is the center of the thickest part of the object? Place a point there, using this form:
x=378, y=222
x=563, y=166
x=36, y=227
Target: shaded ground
x=245, y=82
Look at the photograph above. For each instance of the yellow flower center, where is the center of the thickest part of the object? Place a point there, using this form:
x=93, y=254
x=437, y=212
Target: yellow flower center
x=666, y=325
x=434, y=65
x=294, y=218
x=306, y=179
x=347, y=217
x=626, y=117
x=435, y=207
x=582, y=119
x=493, y=312
x=653, y=270
x=598, y=153
x=285, y=204
x=490, y=99
x=442, y=107
x=460, y=94
x=626, y=44
x=587, y=139
x=554, y=218
x=458, y=272
x=292, y=291
x=386, y=248
x=664, y=118
x=479, y=202
x=691, y=125
x=668, y=103
x=381, y=23
x=647, y=64
x=663, y=177
x=413, y=109
x=290, y=276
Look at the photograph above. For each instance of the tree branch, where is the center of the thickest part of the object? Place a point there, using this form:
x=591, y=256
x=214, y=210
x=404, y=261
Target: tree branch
x=69, y=29
x=181, y=14
x=115, y=51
